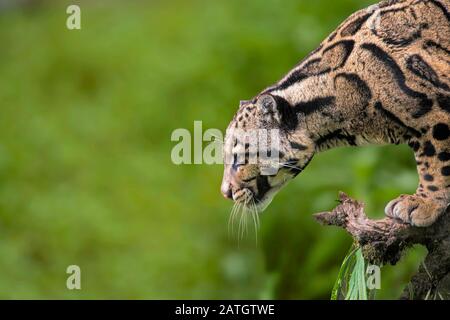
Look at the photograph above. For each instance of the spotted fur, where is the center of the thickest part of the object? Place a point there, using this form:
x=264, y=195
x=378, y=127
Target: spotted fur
x=381, y=78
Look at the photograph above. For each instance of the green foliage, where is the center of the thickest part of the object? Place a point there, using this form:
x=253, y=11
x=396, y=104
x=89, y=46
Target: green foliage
x=351, y=281
x=85, y=170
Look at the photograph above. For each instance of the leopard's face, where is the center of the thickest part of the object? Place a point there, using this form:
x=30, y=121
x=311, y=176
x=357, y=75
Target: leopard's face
x=265, y=147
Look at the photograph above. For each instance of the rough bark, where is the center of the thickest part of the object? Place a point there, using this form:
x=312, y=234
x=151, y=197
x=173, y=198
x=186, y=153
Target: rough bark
x=383, y=241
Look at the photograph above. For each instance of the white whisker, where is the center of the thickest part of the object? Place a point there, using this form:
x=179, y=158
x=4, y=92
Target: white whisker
x=243, y=213
x=230, y=219
x=241, y=225
x=255, y=221
x=289, y=166
x=286, y=165
x=235, y=215
x=258, y=224
x=245, y=221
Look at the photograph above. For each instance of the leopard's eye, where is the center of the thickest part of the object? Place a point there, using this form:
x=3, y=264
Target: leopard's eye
x=238, y=162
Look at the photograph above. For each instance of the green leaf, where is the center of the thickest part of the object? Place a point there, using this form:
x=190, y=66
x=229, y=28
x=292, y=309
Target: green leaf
x=351, y=281
x=343, y=276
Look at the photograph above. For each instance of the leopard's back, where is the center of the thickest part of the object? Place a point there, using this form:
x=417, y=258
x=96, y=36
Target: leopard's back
x=397, y=52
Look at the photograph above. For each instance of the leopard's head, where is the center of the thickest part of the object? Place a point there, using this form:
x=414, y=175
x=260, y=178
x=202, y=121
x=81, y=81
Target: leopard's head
x=254, y=171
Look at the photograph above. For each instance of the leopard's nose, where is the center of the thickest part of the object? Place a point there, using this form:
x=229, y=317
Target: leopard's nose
x=227, y=192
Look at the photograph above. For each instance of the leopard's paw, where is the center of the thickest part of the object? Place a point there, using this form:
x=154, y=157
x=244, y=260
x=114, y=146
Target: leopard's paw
x=415, y=210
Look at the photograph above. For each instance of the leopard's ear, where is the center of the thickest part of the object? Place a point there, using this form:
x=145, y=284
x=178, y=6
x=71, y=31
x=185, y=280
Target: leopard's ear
x=267, y=104
x=244, y=102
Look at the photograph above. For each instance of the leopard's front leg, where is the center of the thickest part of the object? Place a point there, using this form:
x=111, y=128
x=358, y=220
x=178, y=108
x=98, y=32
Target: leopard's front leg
x=432, y=153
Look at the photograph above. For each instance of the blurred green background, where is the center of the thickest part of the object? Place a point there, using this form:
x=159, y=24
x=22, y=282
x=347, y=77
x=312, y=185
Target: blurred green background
x=86, y=176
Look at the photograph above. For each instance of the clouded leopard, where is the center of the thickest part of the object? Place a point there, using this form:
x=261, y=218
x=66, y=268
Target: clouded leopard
x=381, y=78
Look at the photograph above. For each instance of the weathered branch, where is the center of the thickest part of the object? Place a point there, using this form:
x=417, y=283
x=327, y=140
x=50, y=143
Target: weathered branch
x=383, y=241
